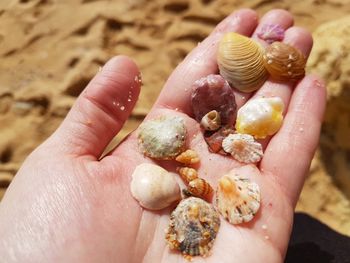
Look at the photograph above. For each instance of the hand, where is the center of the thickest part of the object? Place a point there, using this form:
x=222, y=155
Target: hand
x=66, y=205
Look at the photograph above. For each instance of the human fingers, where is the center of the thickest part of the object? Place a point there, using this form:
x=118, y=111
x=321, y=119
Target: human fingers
x=101, y=109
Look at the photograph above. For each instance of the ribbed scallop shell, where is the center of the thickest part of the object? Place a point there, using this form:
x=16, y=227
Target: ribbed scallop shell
x=284, y=62
x=211, y=121
x=193, y=227
x=237, y=198
x=243, y=148
x=240, y=61
x=260, y=117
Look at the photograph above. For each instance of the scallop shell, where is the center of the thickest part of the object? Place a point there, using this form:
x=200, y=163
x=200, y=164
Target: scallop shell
x=271, y=33
x=240, y=61
x=188, y=157
x=237, y=199
x=153, y=187
x=163, y=137
x=243, y=148
x=193, y=227
x=200, y=188
x=187, y=174
x=284, y=62
x=213, y=93
x=211, y=121
x=260, y=117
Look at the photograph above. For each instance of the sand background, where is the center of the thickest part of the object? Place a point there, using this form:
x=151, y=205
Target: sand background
x=50, y=49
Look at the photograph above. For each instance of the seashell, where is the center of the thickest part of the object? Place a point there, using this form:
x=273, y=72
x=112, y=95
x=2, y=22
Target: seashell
x=214, y=141
x=188, y=157
x=260, y=117
x=284, y=62
x=243, y=148
x=200, y=188
x=163, y=137
x=187, y=174
x=213, y=93
x=240, y=61
x=193, y=227
x=237, y=198
x=211, y=121
x=154, y=187
x=271, y=33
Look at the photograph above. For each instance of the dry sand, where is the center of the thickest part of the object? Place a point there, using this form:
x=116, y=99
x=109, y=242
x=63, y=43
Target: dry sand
x=50, y=49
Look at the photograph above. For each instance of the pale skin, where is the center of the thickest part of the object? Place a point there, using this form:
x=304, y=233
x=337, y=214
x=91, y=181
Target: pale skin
x=68, y=205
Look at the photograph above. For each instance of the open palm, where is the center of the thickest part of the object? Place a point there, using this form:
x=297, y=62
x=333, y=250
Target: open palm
x=81, y=209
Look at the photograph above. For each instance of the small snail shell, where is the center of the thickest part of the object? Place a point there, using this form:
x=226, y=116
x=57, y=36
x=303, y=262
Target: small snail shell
x=154, y=187
x=187, y=174
x=211, y=121
x=284, y=62
x=240, y=60
x=200, y=188
x=188, y=157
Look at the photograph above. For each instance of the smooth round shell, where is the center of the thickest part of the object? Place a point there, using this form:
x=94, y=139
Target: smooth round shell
x=240, y=61
x=213, y=93
x=154, y=187
x=243, y=148
x=260, y=117
x=162, y=138
x=237, y=198
x=284, y=62
x=211, y=121
x=193, y=227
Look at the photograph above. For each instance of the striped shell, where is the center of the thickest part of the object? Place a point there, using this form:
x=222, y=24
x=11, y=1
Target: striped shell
x=187, y=174
x=260, y=117
x=243, y=148
x=237, y=198
x=193, y=227
x=284, y=62
x=200, y=188
x=211, y=121
x=240, y=61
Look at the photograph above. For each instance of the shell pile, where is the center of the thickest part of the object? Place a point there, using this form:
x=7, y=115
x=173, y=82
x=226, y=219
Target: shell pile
x=193, y=227
x=240, y=62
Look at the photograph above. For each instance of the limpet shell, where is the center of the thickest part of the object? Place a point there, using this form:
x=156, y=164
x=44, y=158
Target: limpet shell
x=237, y=198
x=200, y=188
x=260, y=117
x=163, y=137
x=211, y=121
x=193, y=227
x=271, y=33
x=154, y=187
x=213, y=93
x=243, y=148
x=240, y=61
x=188, y=157
x=284, y=62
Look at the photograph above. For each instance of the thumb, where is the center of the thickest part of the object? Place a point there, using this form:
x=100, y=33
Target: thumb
x=101, y=109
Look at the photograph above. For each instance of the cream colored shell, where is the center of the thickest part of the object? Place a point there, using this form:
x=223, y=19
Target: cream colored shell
x=211, y=121
x=243, y=148
x=260, y=117
x=237, y=198
x=240, y=61
x=154, y=187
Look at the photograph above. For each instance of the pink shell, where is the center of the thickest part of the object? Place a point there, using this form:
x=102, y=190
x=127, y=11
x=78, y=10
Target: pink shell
x=213, y=93
x=271, y=33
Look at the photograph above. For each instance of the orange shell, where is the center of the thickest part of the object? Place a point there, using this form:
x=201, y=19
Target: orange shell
x=187, y=174
x=284, y=62
x=200, y=188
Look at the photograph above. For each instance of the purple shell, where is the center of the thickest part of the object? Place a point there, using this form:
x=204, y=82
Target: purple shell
x=271, y=33
x=213, y=93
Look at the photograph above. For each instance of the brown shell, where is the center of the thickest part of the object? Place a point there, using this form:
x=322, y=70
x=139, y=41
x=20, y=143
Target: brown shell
x=187, y=174
x=200, y=188
x=240, y=60
x=188, y=157
x=284, y=62
x=193, y=227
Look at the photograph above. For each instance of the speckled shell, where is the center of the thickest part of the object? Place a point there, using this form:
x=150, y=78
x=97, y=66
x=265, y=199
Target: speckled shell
x=193, y=227
x=213, y=93
x=284, y=62
x=163, y=137
x=187, y=174
x=240, y=61
x=237, y=198
x=188, y=157
x=200, y=188
x=260, y=117
x=211, y=121
x=153, y=187
x=243, y=148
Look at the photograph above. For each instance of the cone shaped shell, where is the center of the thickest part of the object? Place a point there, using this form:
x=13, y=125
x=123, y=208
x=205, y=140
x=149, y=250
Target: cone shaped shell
x=240, y=61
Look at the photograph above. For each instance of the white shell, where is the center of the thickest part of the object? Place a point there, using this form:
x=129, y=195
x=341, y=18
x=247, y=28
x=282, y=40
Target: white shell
x=260, y=117
x=154, y=187
x=211, y=121
x=243, y=148
x=237, y=198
